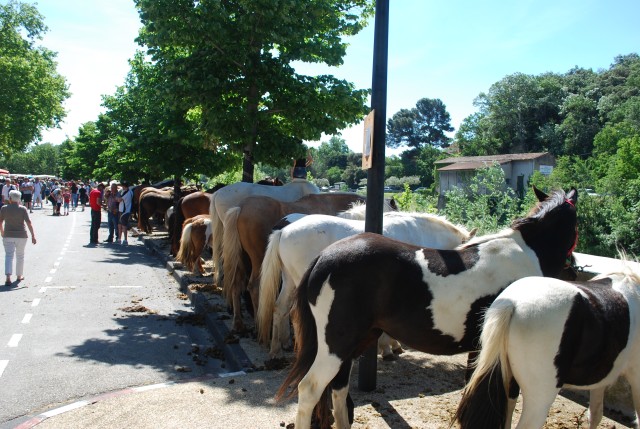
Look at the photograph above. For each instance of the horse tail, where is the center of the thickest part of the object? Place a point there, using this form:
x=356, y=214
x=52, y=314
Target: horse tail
x=484, y=400
x=231, y=251
x=186, y=251
x=216, y=240
x=304, y=326
x=270, y=277
x=178, y=220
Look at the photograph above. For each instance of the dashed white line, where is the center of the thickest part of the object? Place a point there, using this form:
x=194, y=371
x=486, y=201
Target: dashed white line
x=48, y=279
x=3, y=366
x=43, y=289
x=27, y=318
x=53, y=271
x=35, y=302
x=15, y=339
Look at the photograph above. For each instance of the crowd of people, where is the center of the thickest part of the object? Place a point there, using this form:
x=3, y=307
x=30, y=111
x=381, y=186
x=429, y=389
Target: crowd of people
x=19, y=196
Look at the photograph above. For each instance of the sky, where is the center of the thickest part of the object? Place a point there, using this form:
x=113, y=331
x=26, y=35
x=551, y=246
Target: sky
x=452, y=50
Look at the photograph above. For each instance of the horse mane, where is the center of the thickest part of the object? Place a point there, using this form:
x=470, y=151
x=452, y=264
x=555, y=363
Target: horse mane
x=459, y=230
x=556, y=199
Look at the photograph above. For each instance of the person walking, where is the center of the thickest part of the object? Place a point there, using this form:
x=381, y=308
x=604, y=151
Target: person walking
x=95, y=203
x=26, y=187
x=37, y=192
x=113, y=214
x=125, y=200
x=66, y=200
x=8, y=187
x=13, y=218
x=82, y=192
x=74, y=195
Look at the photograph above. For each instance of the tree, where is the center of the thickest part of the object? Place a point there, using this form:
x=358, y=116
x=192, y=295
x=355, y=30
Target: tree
x=146, y=136
x=424, y=125
x=31, y=90
x=231, y=67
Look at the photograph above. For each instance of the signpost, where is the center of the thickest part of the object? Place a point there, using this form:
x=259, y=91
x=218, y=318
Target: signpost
x=375, y=173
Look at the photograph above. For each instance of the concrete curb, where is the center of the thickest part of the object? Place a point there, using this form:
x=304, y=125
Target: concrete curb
x=235, y=356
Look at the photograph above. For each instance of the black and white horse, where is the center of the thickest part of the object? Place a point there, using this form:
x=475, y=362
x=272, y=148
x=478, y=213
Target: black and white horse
x=542, y=334
x=428, y=299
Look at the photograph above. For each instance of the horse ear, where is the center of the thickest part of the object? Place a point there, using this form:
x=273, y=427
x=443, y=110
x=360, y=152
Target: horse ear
x=541, y=196
x=393, y=204
x=572, y=195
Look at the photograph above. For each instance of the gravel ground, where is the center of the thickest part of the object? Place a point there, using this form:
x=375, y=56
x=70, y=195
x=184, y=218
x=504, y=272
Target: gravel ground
x=416, y=391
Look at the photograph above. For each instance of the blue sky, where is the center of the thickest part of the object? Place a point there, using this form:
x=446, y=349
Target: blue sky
x=452, y=50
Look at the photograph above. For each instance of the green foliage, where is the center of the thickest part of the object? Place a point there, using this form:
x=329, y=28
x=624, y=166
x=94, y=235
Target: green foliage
x=424, y=125
x=484, y=202
x=232, y=61
x=31, y=90
x=38, y=159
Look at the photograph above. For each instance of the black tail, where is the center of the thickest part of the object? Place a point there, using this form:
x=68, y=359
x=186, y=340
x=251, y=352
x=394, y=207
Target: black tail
x=306, y=341
x=484, y=405
x=176, y=232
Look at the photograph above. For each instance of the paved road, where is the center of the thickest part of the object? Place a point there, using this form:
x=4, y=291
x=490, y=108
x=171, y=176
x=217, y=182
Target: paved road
x=70, y=330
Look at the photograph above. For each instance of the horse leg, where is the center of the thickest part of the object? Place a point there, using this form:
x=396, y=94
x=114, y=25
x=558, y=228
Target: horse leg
x=236, y=294
x=281, y=337
x=536, y=403
x=596, y=404
x=512, y=398
x=339, y=392
x=633, y=378
x=384, y=347
x=322, y=371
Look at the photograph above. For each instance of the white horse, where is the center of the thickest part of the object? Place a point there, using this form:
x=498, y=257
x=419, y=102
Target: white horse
x=230, y=196
x=545, y=334
x=292, y=249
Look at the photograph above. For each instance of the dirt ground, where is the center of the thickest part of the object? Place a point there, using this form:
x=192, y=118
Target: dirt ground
x=416, y=391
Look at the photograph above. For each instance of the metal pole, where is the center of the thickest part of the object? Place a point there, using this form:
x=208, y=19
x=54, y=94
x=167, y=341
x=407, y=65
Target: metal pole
x=375, y=176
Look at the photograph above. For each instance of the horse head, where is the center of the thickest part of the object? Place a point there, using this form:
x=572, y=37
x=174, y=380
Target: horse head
x=550, y=229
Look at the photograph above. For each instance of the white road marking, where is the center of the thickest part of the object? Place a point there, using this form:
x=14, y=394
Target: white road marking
x=125, y=287
x=53, y=271
x=45, y=288
x=15, y=339
x=27, y=318
x=35, y=302
x=3, y=366
x=55, y=264
x=48, y=279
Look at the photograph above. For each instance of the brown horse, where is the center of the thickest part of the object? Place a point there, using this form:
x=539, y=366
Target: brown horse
x=246, y=233
x=152, y=201
x=188, y=206
x=196, y=234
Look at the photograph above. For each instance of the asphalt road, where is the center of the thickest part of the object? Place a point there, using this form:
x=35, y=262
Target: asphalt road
x=91, y=320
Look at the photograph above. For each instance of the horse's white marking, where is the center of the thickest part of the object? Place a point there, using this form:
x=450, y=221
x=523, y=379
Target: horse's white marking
x=27, y=318
x=15, y=340
x=320, y=313
x=502, y=260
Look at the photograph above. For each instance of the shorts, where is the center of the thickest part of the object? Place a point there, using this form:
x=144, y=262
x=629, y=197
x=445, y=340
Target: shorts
x=66, y=205
x=124, y=219
x=26, y=198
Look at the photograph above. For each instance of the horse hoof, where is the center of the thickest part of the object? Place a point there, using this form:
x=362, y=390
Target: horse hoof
x=398, y=351
x=389, y=358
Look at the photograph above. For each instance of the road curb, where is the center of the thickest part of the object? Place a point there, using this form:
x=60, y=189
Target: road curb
x=235, y=356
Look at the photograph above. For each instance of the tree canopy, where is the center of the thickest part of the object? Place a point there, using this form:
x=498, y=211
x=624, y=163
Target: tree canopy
x=424, y=125
x=31, y=90
x=230, y=65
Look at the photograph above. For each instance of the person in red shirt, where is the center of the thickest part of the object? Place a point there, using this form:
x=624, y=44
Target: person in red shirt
x=95, y=202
